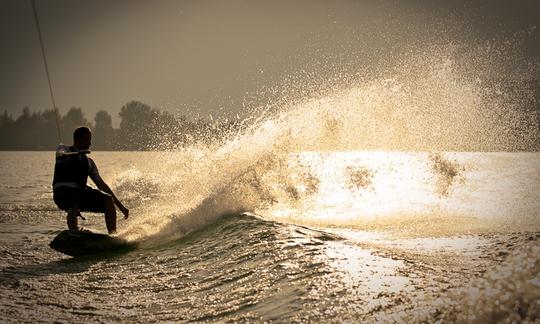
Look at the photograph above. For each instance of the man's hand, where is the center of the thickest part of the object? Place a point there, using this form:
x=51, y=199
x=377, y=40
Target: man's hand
x=124, y=211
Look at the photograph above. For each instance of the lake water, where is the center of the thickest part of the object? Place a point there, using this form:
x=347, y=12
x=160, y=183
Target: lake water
x=230, y=235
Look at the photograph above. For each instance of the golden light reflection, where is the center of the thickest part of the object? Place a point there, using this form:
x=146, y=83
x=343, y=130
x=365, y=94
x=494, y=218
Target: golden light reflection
x=404, y=191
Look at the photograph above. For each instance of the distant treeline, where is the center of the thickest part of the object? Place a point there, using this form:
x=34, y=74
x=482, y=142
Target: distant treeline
x=141, y=128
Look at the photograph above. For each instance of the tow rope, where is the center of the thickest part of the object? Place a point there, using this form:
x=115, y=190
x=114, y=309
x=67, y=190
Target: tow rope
x=56, y=113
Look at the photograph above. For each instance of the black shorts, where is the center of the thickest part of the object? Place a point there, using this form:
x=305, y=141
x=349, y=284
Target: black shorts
x=89, y=199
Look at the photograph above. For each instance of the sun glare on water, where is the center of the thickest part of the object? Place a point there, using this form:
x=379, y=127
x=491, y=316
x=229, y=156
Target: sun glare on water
x=393, y=190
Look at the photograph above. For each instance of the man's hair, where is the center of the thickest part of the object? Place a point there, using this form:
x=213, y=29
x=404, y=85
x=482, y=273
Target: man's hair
x=80, y=132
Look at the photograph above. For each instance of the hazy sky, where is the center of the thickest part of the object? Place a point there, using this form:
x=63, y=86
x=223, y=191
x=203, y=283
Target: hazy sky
x=214, y=57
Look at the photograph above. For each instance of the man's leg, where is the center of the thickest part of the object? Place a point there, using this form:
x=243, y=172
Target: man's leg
x=110, y=215
x=98, y=201
x=68, y=199
x=72, y=221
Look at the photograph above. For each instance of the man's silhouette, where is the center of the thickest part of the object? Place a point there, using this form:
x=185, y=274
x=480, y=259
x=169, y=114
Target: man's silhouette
x=70, y=191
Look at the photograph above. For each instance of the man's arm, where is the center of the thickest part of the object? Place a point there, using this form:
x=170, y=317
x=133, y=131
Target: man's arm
x=96, y=178
x=104, y=187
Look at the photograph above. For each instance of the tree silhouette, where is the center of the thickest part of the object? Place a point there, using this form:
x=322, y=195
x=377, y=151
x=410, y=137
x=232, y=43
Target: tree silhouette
x=25, y=126
x=7, y=133
x=137, y=126
x=141, y=128
x=46, y=129
x=103, y=131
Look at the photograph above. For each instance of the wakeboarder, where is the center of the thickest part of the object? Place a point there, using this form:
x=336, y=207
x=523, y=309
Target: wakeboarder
x=70, y=190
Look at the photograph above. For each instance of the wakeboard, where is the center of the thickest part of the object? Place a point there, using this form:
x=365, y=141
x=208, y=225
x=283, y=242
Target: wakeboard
x=85, y=242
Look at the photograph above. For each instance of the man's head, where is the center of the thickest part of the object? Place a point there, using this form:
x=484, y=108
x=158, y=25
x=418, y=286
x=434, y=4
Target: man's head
x=82, y=138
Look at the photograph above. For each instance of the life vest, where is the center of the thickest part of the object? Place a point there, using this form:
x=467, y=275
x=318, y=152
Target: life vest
x=71, y=170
